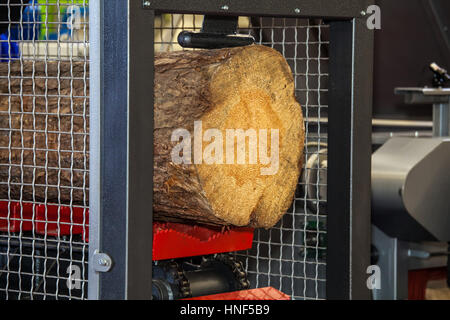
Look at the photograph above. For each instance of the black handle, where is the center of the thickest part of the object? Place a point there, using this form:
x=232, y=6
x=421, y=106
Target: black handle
x=202, y=40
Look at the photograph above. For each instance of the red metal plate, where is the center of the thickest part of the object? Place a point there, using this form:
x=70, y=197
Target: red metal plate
x=15, y=217
x=56, y=220
x=268, y=293
x=176, y=240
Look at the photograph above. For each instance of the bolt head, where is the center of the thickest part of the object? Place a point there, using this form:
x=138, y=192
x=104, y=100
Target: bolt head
x=297, y=10
x=147, y=3
x=103, y=262
x=363, y=13
x=225, y=7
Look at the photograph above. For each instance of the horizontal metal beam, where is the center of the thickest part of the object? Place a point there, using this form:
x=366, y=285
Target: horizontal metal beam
x=330, y=9
x=382, y=123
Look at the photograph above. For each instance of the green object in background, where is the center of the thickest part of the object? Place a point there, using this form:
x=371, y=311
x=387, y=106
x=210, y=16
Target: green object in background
x=50, y=17
x=313, y=239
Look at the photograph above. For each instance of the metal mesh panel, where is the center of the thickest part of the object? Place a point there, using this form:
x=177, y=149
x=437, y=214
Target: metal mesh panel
x=290, y=256
x=44, y=136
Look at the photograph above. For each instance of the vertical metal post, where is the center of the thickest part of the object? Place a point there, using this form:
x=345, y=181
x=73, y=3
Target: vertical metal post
x=140, y=152
x=393, y=261
x=441, y=119
x=95, y=125
x=121, y=157
x=349, y=159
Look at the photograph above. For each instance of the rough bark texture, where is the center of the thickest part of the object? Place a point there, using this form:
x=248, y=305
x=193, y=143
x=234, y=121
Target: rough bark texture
x=44, y=126
x=241, y=88
x=44, y=138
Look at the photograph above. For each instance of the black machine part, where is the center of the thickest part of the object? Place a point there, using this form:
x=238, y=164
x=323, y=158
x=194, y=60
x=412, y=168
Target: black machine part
x=200, y=276
x=163, y=290
x=211, y=279
x=440, y=75
x=217, y=32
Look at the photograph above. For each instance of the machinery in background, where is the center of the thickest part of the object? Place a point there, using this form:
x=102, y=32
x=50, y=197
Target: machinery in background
x=410, y=184
x=410, y=196
x=315, y=191
x=198, y=277
x=194, y=261
x=411, y=180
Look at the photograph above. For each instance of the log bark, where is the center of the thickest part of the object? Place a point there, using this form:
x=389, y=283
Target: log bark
x=44, y=132
x=241, y=88
x=44, y=139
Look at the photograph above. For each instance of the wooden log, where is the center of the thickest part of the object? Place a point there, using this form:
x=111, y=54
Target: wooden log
x=44, y=132
x=248, y=88
x=241, y=88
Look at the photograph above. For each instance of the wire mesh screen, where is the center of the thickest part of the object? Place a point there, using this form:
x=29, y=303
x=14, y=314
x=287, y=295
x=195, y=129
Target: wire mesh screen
x=44, y=147
x=290, y=256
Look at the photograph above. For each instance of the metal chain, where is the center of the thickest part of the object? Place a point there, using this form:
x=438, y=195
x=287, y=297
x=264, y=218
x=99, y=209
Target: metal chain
x=237, y=268
x=180, y=278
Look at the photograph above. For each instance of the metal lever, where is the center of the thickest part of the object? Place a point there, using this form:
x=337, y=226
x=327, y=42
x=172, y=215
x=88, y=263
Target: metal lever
x=217, y=32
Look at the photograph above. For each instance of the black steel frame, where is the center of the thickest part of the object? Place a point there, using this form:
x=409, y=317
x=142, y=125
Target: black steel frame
x=349, y=159
x=121, y=179
x=122, y=137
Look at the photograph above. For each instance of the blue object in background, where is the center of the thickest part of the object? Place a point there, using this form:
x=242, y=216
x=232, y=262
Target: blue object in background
x=31, y=19
x=8, y=49
x=30, y=30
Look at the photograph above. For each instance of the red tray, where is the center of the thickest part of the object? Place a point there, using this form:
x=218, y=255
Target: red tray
x=170, y=240
x=54, y=220
x=268, y=293
x=15, y=217
x=176, y=240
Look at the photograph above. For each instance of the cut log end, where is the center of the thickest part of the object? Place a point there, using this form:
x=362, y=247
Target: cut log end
x=249, y=89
